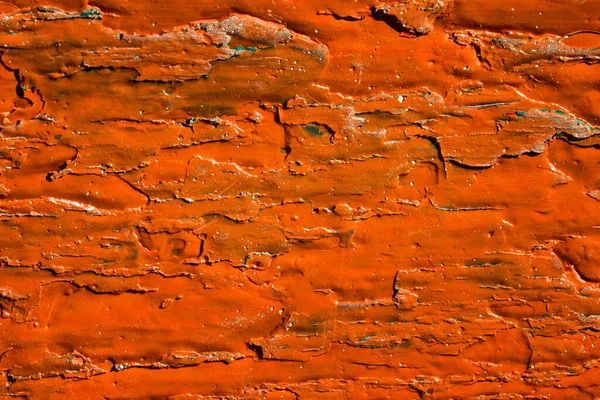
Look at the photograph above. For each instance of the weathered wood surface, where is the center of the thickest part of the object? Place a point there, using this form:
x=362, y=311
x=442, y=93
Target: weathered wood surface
x=300, y=199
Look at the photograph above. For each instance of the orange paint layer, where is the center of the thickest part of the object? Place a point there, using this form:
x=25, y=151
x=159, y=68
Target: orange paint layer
x=299, y=199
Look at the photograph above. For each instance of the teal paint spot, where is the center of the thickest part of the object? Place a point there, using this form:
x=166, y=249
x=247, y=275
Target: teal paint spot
x=548, y=110
x=366, y=338
x=521, y=113
x=313, y=130
x=250, y=49
x=91, y=13
x=586, y=125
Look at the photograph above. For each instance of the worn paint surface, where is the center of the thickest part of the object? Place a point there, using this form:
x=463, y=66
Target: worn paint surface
x=300, y=199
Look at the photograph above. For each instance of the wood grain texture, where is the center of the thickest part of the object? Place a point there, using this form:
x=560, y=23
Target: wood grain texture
x=299, y=199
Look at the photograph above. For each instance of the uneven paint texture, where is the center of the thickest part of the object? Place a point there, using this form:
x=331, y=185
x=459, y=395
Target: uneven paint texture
x=299, y=199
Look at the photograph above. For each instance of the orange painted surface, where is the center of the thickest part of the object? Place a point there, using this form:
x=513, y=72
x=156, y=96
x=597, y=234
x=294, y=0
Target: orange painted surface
x=300, y=199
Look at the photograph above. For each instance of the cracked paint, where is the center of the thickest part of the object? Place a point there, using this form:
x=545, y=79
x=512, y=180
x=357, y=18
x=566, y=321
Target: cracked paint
x=299, y=200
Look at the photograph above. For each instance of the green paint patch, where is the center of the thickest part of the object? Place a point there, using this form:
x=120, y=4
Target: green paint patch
x=549, y=110
x=542, y=110
x=580, y=123
x=55, y=14
x=586, y=125
x=314, y=130
x=367, y=337
x=250, y=49
x=91, y=13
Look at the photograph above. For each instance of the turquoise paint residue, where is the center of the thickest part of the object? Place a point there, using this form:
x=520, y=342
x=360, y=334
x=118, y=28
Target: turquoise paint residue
x=92, y=13
x=543, y=110
x=366, y=338
x=250, y=49
x=313, y=130
x=549, y=110
x=586, y=125
x=582, y=124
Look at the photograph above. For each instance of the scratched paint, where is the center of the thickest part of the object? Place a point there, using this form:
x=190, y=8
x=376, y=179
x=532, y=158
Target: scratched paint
x=291, y=199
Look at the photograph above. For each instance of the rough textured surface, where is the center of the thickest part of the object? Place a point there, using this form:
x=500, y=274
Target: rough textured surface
x=300, y=199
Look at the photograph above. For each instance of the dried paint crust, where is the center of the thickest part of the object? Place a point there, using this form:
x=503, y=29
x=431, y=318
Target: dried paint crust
x=299, y=199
